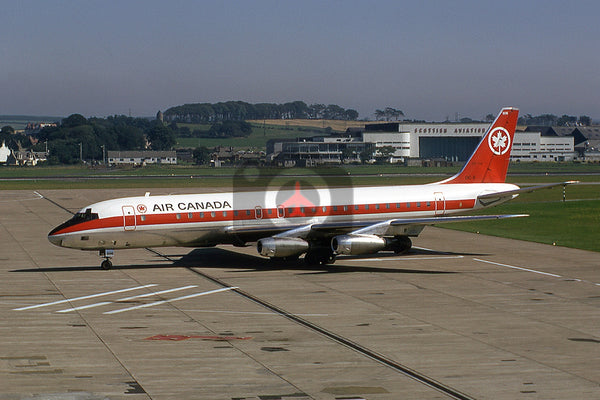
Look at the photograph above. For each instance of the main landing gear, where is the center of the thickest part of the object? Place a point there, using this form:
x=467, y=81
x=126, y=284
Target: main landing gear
x=107, y=254
x=319, y=256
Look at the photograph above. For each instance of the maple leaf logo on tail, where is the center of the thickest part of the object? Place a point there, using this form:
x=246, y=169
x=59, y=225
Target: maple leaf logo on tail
x=499, y=141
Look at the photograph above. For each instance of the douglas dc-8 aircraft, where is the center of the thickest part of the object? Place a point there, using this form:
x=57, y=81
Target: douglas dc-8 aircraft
x=319, y=223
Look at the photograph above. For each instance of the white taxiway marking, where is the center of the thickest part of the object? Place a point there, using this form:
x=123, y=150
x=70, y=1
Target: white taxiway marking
x=84, y=297
x=251, y=313
x=103, y=303
x=170, y=300
x=520, y=268
x=400, y=258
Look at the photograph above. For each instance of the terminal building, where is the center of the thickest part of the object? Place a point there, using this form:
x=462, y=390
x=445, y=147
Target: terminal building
x=318, y=151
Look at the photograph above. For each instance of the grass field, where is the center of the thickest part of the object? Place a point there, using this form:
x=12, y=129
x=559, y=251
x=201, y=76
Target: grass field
x=257, y=140
x=336, y=125
x=575, y=223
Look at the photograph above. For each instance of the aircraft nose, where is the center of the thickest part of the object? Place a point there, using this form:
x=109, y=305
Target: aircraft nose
x=55, y=240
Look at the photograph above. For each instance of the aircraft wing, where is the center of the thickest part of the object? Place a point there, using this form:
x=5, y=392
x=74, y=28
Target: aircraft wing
x=410, y=226
x=490, y=198
x=392, y=227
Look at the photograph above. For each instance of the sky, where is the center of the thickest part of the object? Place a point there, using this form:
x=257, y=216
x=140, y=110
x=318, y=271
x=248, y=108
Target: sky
x=430, y=59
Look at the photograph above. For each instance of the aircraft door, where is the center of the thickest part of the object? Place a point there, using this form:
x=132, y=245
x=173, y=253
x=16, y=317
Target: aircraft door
x=440, y=203
x=128, y=218
x=258, y=212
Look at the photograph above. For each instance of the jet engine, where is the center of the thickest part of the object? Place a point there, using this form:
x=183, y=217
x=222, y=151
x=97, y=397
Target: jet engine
x=281, y=247
x=357, y=244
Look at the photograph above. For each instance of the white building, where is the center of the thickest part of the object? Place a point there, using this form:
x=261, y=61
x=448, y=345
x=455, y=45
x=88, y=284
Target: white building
x=532, y=146
x=456, y=142
x=5, y=152
x=141, y=157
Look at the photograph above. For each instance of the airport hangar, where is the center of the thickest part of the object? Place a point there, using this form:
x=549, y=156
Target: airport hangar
x=456, y=142
x=452, y=142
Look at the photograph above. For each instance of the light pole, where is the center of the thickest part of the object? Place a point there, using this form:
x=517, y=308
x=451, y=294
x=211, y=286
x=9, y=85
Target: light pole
x=80, y=153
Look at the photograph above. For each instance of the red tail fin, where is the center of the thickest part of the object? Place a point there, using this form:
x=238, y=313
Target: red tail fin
x=489, y=162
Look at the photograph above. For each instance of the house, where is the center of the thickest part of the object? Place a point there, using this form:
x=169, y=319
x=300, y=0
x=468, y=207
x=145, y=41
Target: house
x=141, y=157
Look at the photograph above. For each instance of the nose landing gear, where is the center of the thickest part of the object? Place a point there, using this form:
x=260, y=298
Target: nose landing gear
x=107, y=254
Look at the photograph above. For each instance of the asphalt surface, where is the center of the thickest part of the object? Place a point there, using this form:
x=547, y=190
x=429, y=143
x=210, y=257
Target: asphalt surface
x=460, y=315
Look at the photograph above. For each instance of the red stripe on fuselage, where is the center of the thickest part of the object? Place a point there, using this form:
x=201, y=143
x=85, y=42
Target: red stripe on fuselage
x=269, y=213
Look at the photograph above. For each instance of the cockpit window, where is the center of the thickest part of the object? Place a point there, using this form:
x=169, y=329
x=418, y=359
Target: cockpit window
x=88, y=215
x=78, y=218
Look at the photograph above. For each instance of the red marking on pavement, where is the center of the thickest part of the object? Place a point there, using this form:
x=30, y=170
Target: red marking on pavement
x=177, y=338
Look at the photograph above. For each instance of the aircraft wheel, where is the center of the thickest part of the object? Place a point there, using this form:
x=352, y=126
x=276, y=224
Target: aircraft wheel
x=322, y=257
x=106, y=265
x=403, y=245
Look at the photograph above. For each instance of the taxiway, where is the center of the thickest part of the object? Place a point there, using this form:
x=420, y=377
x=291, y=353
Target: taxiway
x=482, y=317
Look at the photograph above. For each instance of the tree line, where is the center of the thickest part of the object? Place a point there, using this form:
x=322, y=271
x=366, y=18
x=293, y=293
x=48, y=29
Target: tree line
x=240, y=111
x=77, y=136
x=553, y=120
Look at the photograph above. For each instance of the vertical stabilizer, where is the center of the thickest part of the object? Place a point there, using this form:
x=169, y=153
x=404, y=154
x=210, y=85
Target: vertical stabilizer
x=489, y=161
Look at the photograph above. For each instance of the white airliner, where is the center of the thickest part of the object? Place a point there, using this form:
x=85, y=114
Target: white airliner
x=319, y=223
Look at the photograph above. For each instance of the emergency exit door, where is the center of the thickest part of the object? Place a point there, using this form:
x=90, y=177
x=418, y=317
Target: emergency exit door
x=440, y=203
x=128, y=218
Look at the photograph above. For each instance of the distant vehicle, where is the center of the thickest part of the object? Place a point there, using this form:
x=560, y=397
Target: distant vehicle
x=319, y=223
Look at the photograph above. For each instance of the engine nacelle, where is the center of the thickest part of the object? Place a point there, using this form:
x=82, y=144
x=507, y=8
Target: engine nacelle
x=281, y=247
x=357, y=244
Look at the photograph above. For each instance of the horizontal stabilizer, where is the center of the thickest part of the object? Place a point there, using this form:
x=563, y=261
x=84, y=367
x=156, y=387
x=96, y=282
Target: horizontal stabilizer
x=489, y=198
